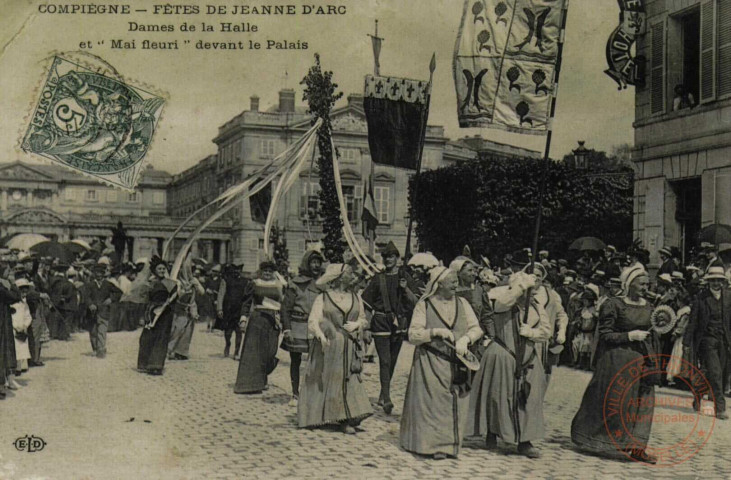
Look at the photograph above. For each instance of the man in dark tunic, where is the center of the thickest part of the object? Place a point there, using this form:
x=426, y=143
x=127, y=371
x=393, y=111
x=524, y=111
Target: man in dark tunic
x=391, y=300
x=296, y=305
x=234, y=299
x=709, y=334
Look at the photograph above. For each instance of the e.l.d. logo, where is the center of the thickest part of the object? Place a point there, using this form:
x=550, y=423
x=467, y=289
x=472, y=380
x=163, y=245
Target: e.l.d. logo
x=29, y=444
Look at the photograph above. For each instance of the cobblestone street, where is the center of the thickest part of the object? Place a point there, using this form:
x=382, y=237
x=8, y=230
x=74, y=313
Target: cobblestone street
x=101, y=420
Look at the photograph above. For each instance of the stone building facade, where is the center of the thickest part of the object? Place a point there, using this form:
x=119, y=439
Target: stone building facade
x=63, y=205
x=254, y=137
x=683, y=154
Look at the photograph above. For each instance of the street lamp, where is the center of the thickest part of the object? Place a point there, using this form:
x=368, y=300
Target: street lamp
x=581, y=155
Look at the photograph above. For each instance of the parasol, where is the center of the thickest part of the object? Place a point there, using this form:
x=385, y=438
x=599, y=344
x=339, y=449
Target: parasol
x=587, y=243
x=426, y=260
x=716, y=234
x=54, y=249
x=25, y=241
x=75, y=247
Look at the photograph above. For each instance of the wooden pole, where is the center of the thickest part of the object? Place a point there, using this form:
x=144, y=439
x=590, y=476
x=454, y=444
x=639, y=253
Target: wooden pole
x=371, y=233
x=424, y=120
x=520, y=342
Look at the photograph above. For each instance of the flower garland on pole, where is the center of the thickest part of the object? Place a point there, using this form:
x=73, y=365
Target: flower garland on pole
x=320, y=93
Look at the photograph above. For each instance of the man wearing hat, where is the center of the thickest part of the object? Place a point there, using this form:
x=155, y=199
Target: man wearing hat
x=708, y=335
x=64, y=300
x=98, y=299
x=391, y=300
x=667, y=262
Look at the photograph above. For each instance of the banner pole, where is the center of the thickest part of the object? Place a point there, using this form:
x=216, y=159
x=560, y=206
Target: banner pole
x=520, y=373
x=425, y=119
x=371, y=233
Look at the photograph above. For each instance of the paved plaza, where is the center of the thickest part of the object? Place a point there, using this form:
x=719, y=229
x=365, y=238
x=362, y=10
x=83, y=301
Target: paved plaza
x=101, y=419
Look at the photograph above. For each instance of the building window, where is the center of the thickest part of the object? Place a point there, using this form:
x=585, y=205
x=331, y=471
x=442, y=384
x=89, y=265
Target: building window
x=686, y=94
x=158, y=198
x=353, y=195
x=348, y=155
x=382, y=197
x=132, y=197
x=69, y=194
x=310, y=201
x=112, y=196
x=91, y=196
x=266, y=149
x=261, y=244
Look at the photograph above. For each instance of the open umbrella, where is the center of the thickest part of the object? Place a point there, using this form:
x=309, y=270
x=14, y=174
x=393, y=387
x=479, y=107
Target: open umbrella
x=54, y=249
x=24, y=241
x=716, y=234
x=587, y=243
x=75, y=247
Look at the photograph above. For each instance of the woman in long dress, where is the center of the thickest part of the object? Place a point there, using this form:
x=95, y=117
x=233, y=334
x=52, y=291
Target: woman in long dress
x=505, y=402
x=22, y=320
x=437, y=398
x=185, y=314
x=261, y=340
x=155, y=338
x=332, y=392
x=624, y=338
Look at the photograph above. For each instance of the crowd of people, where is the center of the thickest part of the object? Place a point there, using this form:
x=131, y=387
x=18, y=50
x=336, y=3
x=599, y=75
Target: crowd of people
x=487, y=336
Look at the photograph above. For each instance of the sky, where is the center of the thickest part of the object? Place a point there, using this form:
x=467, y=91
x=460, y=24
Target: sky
x=204, y=89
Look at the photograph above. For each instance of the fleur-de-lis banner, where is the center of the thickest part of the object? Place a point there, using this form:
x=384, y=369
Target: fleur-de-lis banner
x=504, y=61
x=396, y=110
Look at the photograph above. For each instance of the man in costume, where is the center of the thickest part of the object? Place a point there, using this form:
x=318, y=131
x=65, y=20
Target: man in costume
x=298, y=297
x=391, y=299
x=234, y=297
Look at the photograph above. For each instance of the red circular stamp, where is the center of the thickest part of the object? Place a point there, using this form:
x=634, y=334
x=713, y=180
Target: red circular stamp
x=680, y=424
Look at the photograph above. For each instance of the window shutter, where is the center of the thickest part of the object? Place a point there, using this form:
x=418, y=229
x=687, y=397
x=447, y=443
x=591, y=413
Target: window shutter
x=657, y=58
x=708, y=54
x=724, y=49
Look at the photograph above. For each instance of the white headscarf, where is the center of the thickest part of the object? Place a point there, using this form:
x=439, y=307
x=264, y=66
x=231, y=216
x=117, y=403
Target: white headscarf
x=436, y=275
x=332, y=273
x=629, y=275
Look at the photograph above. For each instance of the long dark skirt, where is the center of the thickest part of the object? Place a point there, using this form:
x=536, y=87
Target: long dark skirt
x=154, y=344
x=590, y=427
x=131, y=314
x=259, y=353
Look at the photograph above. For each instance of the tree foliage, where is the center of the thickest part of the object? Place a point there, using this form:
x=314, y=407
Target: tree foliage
x=320, y=93
x=491, y=206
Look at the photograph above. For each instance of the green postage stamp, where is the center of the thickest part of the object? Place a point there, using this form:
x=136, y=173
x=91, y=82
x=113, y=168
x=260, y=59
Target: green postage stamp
x=93, y=123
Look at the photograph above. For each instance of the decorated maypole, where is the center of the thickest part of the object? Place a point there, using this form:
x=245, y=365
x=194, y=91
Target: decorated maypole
x=320, y=93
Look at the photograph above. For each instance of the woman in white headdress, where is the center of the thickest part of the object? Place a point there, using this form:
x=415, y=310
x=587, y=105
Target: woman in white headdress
x=333, y=392
x=435, y=409
x=625, y=340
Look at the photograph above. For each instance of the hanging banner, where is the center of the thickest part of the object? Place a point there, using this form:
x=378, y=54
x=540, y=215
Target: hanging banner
x=623, y=67
x=504, y=61
x=396, y=110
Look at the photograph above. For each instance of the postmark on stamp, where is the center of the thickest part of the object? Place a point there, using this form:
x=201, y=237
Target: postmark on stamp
x=679, y=424
x=93, y=122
